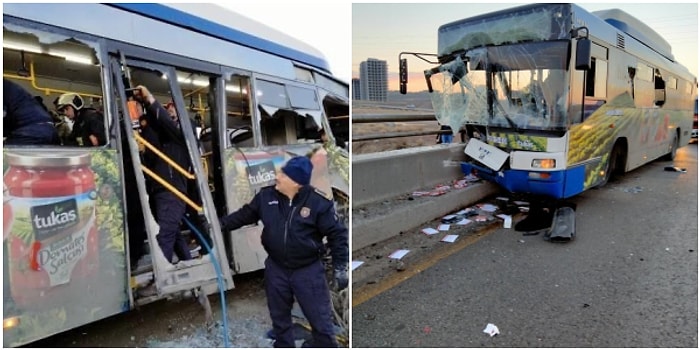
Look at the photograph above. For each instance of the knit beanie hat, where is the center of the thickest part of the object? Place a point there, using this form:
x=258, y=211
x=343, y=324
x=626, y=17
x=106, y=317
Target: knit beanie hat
x=298, y=169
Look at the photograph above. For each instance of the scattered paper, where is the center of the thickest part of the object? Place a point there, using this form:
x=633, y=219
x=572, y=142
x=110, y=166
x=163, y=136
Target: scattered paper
x=461, y=184
x=448, y=217
x=449, y=238
x=502, y=198
x=464, y=222
x=507, y=220
x=444, y=227
x=430, y=231
x=399, y=254
x=524, y=209
x=521, y=203
x=488, y=207
x=491, y=329
x=480, y=218
x=356, y=264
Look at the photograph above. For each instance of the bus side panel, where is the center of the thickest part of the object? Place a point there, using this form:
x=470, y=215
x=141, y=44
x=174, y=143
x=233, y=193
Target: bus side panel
x=64, y=252
x=246, y=171
x=574, y=182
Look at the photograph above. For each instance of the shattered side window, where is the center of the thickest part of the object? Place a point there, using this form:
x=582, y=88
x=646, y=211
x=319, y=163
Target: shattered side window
x=48, y=65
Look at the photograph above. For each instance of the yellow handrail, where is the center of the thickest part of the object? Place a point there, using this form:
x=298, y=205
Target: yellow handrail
x=32, y=78
x=48, y=91
x=172, y=189
x=163, y=156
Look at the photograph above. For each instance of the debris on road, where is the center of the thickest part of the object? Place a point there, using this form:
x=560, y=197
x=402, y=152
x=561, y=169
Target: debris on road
x=675, y=168
x=635, y=189
x=356, y=264
x=429, y=231
x=491, y=329
x=449, y=238
x=507, y=220
x=399, y=254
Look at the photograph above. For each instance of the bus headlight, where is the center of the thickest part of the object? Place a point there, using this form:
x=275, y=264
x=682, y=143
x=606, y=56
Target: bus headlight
x=544, y=163
x=10, y=322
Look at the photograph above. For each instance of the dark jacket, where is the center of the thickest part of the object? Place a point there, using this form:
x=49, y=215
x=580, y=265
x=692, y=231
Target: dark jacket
x=166, y=135
x=25, y=121
x=88, y=121
x=293, y=230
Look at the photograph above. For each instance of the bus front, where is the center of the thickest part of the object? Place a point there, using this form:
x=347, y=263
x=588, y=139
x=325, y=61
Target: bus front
x=504, y=80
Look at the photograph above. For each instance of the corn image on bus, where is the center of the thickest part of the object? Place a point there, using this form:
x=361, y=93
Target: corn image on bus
x=249, y=98
x=556, y=99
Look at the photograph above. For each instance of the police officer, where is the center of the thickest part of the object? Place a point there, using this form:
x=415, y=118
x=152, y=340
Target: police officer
x=88, y=123
x=296, y=217
x=169, y=209
x=25, y=121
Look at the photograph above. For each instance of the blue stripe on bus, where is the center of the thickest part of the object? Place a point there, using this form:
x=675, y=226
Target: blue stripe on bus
x=560, y=184
x=182, y=19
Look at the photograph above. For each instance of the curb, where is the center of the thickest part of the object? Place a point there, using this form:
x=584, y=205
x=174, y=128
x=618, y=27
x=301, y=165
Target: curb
x=372, y=230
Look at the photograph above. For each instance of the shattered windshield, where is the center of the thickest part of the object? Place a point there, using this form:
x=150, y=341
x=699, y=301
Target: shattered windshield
x=521, y=86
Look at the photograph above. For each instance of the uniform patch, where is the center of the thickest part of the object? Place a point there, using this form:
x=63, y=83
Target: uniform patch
x=305, y=212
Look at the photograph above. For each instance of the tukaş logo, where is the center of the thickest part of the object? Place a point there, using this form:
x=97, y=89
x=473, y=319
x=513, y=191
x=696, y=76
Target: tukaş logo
x=261, y=175
x=50, y=219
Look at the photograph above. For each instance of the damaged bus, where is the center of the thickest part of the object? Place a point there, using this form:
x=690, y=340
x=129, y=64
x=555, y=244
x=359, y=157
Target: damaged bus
x=556, y=100
x=249, y=99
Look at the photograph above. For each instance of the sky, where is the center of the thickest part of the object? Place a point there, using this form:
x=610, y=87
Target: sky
x=382, y=31
x=325, y=26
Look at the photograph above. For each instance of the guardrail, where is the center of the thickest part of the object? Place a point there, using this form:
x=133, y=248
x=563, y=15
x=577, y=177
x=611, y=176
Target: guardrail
x=389, y=118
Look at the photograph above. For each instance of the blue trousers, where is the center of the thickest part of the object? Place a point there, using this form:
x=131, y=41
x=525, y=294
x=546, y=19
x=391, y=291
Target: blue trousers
x=169, y=212
x=308, y=284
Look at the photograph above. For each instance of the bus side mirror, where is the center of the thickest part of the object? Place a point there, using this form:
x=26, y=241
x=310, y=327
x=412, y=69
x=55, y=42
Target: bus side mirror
x=583, y=54
x=403, y=75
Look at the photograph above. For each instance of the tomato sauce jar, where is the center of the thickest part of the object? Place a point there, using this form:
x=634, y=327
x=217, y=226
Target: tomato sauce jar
x=54, y=237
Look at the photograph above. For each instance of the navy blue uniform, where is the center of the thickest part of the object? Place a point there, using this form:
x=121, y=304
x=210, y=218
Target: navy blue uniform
x=169, y=209
x=25, y=121
x=292, y=236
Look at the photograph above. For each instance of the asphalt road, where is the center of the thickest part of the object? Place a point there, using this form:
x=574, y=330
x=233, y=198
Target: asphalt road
x=629, y=279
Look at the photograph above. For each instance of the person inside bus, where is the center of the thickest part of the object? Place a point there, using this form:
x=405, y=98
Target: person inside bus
x=88, y=124
x=169, y=209
x=295, y=219
x=24, y=120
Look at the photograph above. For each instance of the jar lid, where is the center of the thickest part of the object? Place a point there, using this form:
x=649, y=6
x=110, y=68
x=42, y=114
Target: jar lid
x=53, y=160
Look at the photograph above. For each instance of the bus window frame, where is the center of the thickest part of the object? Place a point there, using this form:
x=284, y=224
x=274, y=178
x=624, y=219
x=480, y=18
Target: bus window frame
x=100, y=47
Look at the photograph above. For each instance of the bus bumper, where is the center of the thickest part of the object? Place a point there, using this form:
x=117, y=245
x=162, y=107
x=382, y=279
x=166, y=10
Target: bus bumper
x=549, y=184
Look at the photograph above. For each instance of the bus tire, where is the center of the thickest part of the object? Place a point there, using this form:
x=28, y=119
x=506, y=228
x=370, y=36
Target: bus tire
x=674, y=147
x=613, y=167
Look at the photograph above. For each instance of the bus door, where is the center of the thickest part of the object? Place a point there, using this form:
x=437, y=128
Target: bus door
x=243, y=167
x=168, y=277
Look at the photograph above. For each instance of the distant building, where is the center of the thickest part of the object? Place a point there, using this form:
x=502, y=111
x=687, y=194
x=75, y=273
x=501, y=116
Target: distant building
x=373, y=80
x=356, y=89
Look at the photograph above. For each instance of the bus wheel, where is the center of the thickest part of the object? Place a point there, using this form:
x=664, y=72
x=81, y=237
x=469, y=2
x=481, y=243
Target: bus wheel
x=612, y=167
x=674, y=147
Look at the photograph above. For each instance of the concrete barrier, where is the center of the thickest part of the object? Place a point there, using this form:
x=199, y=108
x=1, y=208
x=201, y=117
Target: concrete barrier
x=390, y=176
x=385, y=223
x=380, y=176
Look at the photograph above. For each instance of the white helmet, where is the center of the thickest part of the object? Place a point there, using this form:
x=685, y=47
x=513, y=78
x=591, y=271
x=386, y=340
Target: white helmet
x=70, y=99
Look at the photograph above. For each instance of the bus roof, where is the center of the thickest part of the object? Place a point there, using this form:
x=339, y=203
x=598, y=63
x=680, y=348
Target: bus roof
x=636, y=29
x=227, y=25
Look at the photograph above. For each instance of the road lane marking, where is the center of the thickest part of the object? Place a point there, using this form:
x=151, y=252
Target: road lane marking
x=369, y=291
